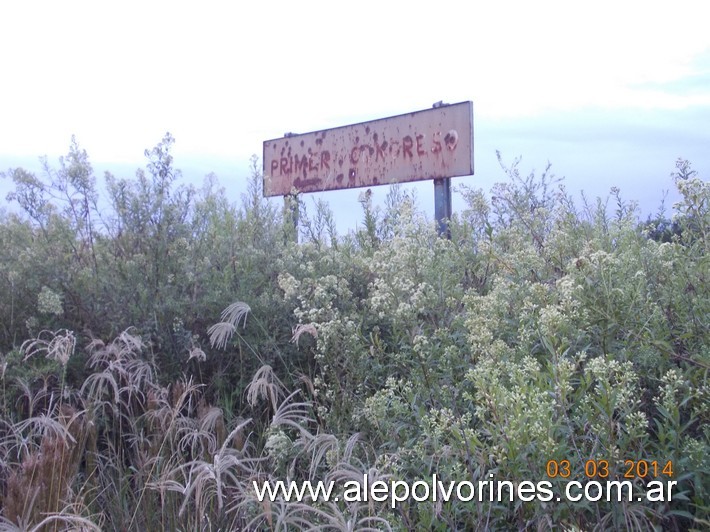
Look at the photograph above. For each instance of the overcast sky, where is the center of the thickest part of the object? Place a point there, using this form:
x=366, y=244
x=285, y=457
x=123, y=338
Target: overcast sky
x=610, y=92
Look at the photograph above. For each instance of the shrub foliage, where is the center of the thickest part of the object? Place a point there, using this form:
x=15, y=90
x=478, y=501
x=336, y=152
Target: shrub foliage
x=163, y=347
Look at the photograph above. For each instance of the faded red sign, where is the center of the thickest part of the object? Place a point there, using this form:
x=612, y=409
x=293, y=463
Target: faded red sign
x=428, y=144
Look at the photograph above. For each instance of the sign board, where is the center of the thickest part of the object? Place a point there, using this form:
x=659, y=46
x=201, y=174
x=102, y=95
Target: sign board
x=430, y=144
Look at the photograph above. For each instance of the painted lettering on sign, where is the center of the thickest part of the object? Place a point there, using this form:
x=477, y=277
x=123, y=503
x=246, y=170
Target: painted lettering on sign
x=316, y=164
x=424, y=145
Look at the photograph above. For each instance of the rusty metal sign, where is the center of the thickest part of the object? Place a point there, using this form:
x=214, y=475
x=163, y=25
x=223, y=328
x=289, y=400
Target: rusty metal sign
x=430, y=144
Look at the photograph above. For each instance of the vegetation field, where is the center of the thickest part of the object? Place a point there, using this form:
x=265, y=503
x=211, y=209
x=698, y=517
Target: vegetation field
x=163, y=348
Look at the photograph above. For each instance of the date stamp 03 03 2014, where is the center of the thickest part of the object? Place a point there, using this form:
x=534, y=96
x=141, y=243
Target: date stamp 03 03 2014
x=632, y=469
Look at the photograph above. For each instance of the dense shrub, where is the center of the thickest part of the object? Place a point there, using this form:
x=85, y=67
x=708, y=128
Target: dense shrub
x=196, y=347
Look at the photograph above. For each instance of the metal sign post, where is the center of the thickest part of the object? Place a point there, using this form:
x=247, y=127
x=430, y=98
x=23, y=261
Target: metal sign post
x=291, y=214
x=442, y=195
x=442, y=205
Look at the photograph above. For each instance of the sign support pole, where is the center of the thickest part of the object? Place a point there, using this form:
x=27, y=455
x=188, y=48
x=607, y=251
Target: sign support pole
x=442, y=205
x=442, y=197
x=291, y=215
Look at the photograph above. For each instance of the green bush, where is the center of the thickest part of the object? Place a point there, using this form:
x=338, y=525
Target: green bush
x=208, y=350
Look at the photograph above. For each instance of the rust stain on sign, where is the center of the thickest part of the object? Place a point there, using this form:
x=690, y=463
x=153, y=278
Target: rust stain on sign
x=429, y=144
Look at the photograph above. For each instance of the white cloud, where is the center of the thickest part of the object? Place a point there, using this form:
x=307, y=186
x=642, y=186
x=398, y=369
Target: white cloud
x=223, y=76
